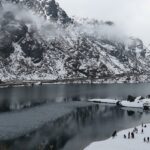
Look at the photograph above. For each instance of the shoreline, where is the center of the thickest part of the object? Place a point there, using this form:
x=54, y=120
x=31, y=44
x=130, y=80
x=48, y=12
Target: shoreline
x=28, y=83
x=139, y=102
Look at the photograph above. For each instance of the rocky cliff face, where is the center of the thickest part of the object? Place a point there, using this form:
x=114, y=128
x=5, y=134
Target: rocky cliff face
x=15, y=31
x=47, y=8
x=27, y=51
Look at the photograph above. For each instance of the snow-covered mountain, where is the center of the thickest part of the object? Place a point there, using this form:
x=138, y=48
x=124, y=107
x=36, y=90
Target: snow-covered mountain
x=38, y=40
x=47, y=8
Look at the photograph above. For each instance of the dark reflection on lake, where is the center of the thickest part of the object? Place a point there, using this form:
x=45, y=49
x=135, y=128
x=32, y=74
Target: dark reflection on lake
x=58, y=93
x=76, y=130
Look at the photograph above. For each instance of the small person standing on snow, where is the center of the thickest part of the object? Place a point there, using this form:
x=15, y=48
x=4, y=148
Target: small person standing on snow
x=148, y=139
x=129, y=135
x=144, y=140
x=114, y=134
x=132, y=135
x=124, y=136
x=135, y=130
x=142, y=131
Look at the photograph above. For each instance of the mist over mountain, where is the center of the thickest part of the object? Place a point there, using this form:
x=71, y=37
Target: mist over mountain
x=38, y=40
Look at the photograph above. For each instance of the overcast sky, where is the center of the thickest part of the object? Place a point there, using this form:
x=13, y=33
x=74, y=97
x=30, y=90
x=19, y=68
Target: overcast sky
x=132, y=15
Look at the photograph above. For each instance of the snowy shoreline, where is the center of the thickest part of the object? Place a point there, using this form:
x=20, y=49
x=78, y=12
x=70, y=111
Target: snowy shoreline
x=137, y=103
x=106, y=101
x=120, y=142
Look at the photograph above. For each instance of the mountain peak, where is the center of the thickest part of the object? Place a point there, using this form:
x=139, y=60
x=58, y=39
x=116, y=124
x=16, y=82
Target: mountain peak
x=49, y=9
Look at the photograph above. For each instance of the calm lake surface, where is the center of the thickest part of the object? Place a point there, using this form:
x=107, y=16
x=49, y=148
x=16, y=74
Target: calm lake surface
x=60, y=93
x=76, y=131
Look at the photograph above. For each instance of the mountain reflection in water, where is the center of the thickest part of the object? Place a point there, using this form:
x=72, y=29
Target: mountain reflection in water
x=79, y=128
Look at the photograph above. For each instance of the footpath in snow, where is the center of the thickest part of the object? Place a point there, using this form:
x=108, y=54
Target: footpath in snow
x=122, y=141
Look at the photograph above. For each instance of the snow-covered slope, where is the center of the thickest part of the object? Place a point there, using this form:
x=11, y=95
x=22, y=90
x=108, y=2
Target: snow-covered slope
x=119, y=142
x=46, y=48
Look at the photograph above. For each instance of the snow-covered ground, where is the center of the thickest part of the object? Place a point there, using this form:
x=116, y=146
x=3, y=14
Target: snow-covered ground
x=138, y=103
x=120, y=143
x=108, y=101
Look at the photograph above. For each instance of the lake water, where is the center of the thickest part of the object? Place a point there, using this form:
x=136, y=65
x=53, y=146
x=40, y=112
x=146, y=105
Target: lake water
x=60, y=93
x=78, y=129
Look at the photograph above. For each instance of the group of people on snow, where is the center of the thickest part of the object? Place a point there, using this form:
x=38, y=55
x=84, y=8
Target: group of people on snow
x=131, y=135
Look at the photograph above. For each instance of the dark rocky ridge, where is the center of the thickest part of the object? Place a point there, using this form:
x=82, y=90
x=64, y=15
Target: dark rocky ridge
x=16, y=31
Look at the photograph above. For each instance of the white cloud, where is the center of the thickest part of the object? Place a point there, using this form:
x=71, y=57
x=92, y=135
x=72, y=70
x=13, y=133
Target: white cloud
x=132, y=15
